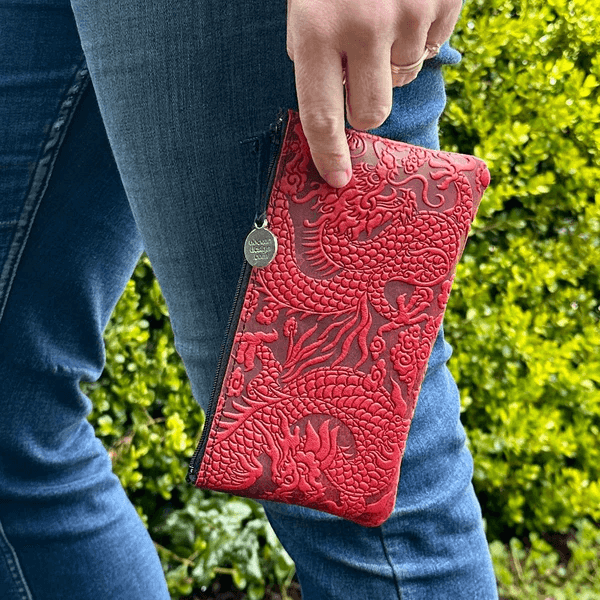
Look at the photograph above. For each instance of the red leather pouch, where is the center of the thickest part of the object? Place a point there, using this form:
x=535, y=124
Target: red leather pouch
x=338, y=305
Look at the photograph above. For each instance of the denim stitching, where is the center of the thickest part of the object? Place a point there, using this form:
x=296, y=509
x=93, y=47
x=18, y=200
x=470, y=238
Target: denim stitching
x=10, y=556
x=390, y=563
x=39, y=181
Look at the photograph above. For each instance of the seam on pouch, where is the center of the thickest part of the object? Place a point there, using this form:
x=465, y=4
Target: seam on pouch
x=390, y=563
x=10, y=556
x=39, y=181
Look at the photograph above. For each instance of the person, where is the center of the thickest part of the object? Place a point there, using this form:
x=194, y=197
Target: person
x=122, y=125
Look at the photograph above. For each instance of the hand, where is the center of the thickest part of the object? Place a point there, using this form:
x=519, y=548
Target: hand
x=364, y=36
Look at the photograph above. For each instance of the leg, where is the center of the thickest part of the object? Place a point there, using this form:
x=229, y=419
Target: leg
x=433, y=545
x=179, y=87
x=68, y=246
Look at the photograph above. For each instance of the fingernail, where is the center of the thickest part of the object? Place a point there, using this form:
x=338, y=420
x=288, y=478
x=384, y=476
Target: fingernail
x=338, y=178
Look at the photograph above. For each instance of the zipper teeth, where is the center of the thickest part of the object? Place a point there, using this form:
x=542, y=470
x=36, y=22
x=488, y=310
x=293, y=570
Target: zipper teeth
x=277, y=133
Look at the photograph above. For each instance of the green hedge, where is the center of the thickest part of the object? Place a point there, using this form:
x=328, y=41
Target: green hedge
x=524, y=315
x=523, y=319
x=539, y=572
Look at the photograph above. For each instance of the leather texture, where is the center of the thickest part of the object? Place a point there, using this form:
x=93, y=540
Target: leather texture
x=334, y=336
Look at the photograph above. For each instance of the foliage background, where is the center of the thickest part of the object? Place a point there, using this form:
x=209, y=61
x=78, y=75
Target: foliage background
x=524, y=316
x=523, y=319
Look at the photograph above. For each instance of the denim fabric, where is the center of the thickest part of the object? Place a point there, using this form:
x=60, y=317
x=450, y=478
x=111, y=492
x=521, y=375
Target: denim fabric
x=130, y=139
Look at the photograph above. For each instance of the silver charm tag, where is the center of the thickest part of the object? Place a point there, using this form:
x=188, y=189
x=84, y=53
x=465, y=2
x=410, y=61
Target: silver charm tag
x=260, y=246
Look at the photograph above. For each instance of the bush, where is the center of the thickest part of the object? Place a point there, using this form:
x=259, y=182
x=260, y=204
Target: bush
x=523, y=316
x=539, y=572
x=221, y=530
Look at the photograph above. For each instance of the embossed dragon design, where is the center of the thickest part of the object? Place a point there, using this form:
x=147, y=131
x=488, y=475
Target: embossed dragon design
x=335, y=333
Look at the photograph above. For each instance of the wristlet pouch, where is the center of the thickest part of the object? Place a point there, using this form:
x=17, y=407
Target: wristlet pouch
x=331, y=330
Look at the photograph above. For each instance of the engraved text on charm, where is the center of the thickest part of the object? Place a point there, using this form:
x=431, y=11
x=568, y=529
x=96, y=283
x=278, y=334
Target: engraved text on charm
x=260, y=246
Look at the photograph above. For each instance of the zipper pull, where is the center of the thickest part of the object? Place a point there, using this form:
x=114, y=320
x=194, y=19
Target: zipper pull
x=260, y=246
x=275, y=128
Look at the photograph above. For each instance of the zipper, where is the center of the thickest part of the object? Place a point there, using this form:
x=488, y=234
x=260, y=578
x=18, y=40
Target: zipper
x=277, y=134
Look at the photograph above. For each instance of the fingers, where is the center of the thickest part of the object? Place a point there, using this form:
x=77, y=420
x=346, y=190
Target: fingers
x=367, y=35
x=444, y=23
x=318, y=71
x=368, y=86
x=419, y=27
x=412, y=34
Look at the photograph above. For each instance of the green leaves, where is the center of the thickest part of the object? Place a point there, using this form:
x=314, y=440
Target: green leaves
x=524, y=312
x=214, y=530
x=538, y=572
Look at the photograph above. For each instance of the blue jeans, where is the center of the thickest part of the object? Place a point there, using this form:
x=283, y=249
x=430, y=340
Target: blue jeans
x=120, y=130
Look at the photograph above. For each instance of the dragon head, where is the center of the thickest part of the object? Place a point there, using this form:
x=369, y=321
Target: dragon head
x=360, y=207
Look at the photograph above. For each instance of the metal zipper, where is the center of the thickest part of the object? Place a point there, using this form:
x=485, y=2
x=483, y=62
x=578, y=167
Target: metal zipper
x=277, y=134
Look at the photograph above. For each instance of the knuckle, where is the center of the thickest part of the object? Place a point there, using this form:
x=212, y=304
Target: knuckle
x=369, y=20
x=455, y=9
x=412, y=17
x=448, y=10
x=453, y=5
x=366, y=32
x=321, y=125
x=311, y=30
x=373, y=117
x=315, y=37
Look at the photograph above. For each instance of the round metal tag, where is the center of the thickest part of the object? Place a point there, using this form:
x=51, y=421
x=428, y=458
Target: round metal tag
x=260, y=247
